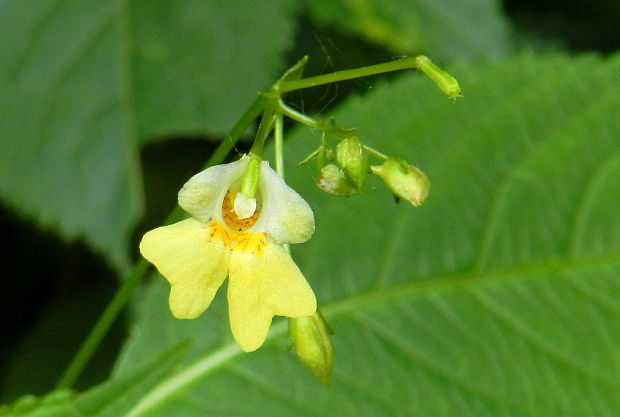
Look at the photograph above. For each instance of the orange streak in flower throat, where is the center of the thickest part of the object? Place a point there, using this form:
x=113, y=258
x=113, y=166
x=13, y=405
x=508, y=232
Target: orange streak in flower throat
x=230, y=217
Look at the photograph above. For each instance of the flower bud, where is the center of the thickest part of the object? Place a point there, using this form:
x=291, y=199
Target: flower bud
x=352, y=159
x=446, y=83
x=334, y=181
x=404, y=180
x=310, y=340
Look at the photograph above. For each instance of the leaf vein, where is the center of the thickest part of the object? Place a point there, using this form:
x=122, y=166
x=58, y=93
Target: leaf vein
x=33, y=39
x=391, y=249
x=501, y=190
x=504, y=315
x=270, y=389
x=588, y=200
x=213, y=360
x=400, y=344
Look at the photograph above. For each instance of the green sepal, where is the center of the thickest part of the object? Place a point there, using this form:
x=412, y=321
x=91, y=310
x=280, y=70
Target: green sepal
x=334, y=181
x=352, y=159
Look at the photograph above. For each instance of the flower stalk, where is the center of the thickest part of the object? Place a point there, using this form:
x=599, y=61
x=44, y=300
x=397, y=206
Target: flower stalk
x=398, y=65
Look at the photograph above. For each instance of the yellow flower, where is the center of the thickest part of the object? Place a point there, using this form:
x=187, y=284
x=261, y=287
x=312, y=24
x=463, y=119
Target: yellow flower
x=231, y=235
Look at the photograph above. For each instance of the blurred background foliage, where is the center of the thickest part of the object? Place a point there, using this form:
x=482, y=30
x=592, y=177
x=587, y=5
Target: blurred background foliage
x=106, y=108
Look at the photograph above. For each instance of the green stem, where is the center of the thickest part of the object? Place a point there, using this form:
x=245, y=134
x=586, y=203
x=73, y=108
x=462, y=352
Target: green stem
x=373, y=152
x=278, y=139
x=328, y=128
x=264, y=128
x=405, y=63
x=297, y=116
x=279, y=144
x=123, y=294
x=102, y=326
x=237, y=132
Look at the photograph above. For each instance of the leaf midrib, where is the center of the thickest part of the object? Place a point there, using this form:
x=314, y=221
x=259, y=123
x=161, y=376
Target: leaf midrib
x=213, y=360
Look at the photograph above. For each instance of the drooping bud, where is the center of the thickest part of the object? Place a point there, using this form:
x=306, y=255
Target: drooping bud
x=333, y=180
x=309, y=338
x=404, y=180
x=446, y=83
x=352, y=159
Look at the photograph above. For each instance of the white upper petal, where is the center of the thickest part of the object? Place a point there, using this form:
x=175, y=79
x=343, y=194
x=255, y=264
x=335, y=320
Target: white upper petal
x=203, y=194
x=285, y=214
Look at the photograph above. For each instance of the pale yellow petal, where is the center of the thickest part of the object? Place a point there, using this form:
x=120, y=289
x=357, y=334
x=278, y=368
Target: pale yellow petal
x=260, y=286
x=202, y=194
x=286, y=216
x=194, y=266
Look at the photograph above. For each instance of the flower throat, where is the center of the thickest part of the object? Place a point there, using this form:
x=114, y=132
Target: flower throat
x=232, y=220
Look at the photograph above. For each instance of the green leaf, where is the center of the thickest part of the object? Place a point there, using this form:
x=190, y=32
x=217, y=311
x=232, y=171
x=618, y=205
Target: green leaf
x=82, y=82
x=54, y=404
x=446, y=29
x=498, y=297
x=109, y=399
x=65, y=139
x=118, y=395
x=202, y=77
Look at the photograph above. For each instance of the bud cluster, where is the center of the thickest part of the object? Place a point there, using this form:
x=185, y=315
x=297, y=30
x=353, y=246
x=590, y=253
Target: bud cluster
x=346, y=174
x=343, y=171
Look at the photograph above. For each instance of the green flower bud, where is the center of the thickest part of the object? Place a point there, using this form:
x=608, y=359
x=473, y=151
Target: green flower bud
x=404, y=180
x=442, y=79
x=334, y=181
x=353, y=160
x=310, y=340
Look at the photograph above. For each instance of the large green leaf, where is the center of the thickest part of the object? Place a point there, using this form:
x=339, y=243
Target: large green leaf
x=65, y=138
x=497, y=298
x=447, y=29
x=81, y=82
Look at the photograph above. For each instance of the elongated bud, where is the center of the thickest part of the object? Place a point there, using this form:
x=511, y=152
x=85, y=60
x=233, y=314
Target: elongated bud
x=333, y=180
x=310, y=340
x=353, y=160
x=442, y=79
x=404, y=180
